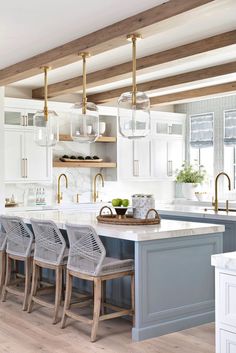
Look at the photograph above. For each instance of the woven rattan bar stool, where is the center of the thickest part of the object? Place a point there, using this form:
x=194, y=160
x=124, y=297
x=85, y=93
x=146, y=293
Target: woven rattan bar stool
x=19, y=248
x=87, y=260
x=3, y=242
x=50, y=253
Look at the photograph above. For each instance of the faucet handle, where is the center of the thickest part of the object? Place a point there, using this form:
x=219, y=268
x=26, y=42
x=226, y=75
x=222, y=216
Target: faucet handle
x=213, y=201
x=227, y=205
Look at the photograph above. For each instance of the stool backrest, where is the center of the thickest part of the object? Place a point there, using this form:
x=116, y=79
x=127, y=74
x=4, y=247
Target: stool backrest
x=87, y=252
x=3, y=237
x=19, y=236
x=50, y=245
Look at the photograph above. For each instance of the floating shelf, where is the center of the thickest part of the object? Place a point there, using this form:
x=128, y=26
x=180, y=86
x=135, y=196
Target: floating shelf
x=100, y=139
x=59, y=164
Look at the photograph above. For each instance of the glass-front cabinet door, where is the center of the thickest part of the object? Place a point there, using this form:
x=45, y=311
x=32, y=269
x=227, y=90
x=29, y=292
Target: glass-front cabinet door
x=18, y=117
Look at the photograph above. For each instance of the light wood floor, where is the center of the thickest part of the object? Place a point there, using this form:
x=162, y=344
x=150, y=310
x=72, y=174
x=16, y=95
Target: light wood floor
x=23, y=333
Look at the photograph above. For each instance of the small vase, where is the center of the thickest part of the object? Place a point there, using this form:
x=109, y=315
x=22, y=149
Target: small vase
x=188, y=191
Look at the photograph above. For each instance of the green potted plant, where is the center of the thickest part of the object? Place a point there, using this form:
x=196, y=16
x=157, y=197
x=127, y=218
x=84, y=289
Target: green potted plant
x=190, y=177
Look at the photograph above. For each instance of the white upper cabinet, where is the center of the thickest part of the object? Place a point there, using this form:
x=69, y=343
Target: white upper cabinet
x=24, y=160
x=159, y=155
x=159, y=158
x=13, y=155
x=141, y=159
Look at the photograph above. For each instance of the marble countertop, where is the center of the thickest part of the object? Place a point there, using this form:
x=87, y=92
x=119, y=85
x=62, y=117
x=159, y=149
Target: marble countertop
x=226, y=261
x=195, y=211
x=167, y=228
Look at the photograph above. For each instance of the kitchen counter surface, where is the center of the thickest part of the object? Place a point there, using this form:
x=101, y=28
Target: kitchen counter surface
x=226, y=261
x=195, y=211
x=167, y=228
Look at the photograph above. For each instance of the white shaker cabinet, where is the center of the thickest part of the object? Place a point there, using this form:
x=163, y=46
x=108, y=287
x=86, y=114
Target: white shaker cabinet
x=125, y=159
x=14, y=155
x=141, y=158
x=175, y=156
x=225, y=303
x=158, y=158
x=24, y=160
x=159, y=155
x=134, y=159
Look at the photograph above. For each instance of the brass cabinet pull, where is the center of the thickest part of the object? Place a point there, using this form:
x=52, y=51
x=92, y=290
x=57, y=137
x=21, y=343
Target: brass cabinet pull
x=22, y=167
x=136, y=168
x=26, y=168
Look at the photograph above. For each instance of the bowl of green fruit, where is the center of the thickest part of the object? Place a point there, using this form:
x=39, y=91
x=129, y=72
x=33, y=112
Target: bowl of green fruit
x=120, y=206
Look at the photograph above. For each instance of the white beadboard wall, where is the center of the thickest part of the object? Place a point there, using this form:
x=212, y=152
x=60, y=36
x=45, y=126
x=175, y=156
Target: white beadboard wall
x=1, y=148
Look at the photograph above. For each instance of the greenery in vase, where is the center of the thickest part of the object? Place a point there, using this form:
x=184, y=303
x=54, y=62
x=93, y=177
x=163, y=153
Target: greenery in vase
x=189, y=174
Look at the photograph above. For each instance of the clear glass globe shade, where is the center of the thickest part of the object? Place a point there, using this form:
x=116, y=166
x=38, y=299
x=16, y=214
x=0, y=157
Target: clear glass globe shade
x=134, y=120
x=85, y=127
x=46, y=132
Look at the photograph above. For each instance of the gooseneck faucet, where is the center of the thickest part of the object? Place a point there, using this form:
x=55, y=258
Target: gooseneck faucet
x=216, y=202
x=59, y=194
x=95, y=193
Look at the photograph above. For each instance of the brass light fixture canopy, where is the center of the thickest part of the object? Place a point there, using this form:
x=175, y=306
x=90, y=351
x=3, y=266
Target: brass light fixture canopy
x=134, y=107
x=46, y=131
x=84, y=116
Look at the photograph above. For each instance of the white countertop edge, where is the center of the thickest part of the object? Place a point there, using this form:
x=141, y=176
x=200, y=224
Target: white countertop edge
x=174, y=229
x=226, y=261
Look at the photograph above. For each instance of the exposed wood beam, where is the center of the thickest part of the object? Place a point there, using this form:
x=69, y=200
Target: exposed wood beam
x=192, y=76
x=194, y=93
x=121, y=71
x=104, y=39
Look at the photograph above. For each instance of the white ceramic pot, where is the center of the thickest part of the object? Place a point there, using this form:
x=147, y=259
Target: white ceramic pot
x=188, y=191
x=141, y=205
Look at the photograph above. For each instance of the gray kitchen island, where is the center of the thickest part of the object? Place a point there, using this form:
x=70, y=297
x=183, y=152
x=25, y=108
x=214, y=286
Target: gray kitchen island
x=174, y=280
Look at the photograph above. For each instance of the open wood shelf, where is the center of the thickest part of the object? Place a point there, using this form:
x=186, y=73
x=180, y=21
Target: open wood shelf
x=100, y=139
x=59, y=164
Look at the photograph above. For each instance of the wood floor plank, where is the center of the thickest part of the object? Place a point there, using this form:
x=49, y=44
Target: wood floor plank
x=21, y=332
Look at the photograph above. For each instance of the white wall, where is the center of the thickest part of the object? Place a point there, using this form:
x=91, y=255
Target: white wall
x=2, y=196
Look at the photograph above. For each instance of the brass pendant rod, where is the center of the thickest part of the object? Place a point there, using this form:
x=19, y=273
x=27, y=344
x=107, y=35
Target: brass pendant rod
x=45, y=69
x=84, y=99
x=134, y=92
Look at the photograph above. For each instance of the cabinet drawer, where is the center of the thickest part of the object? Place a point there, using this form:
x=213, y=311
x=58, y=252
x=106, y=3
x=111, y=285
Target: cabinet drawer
x=227, y=300
x=227, y=342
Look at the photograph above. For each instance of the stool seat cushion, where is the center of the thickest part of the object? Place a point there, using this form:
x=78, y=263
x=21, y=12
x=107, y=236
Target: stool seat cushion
x=112, y=265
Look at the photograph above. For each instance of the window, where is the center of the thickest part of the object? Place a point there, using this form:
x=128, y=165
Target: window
x=230, y=144
x=201, y=142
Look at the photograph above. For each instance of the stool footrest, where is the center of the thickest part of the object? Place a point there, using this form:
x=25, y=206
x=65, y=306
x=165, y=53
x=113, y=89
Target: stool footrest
x=43, y=303
x=116, y=314
x=15, y=291
x=81, y=318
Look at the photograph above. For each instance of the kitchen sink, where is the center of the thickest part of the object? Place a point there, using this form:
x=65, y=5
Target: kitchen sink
x=220, y=209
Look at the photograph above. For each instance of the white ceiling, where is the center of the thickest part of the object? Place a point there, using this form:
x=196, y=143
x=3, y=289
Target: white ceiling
x=25, y=29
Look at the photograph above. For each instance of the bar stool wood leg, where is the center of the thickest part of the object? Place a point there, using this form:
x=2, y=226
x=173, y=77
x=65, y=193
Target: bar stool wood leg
x=2, y=269
x=34, y=288
x=67, y=298
x=97, y=307
x=104, y=289
x=8, y=277
x=28, y=263
x=58, y=293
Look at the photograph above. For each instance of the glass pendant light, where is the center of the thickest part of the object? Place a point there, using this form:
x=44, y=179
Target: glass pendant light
x=84, y=116
x=134, y=107
x=46, y=131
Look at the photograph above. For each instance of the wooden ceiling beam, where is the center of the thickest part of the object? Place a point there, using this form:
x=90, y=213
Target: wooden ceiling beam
x=122, y=71
x=188, y=77
x=99, y=41
x=194, y=93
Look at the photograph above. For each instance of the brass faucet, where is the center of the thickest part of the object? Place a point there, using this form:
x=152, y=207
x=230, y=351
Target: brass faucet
x=95, y=192
x=59, y=194
x=216, y=202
